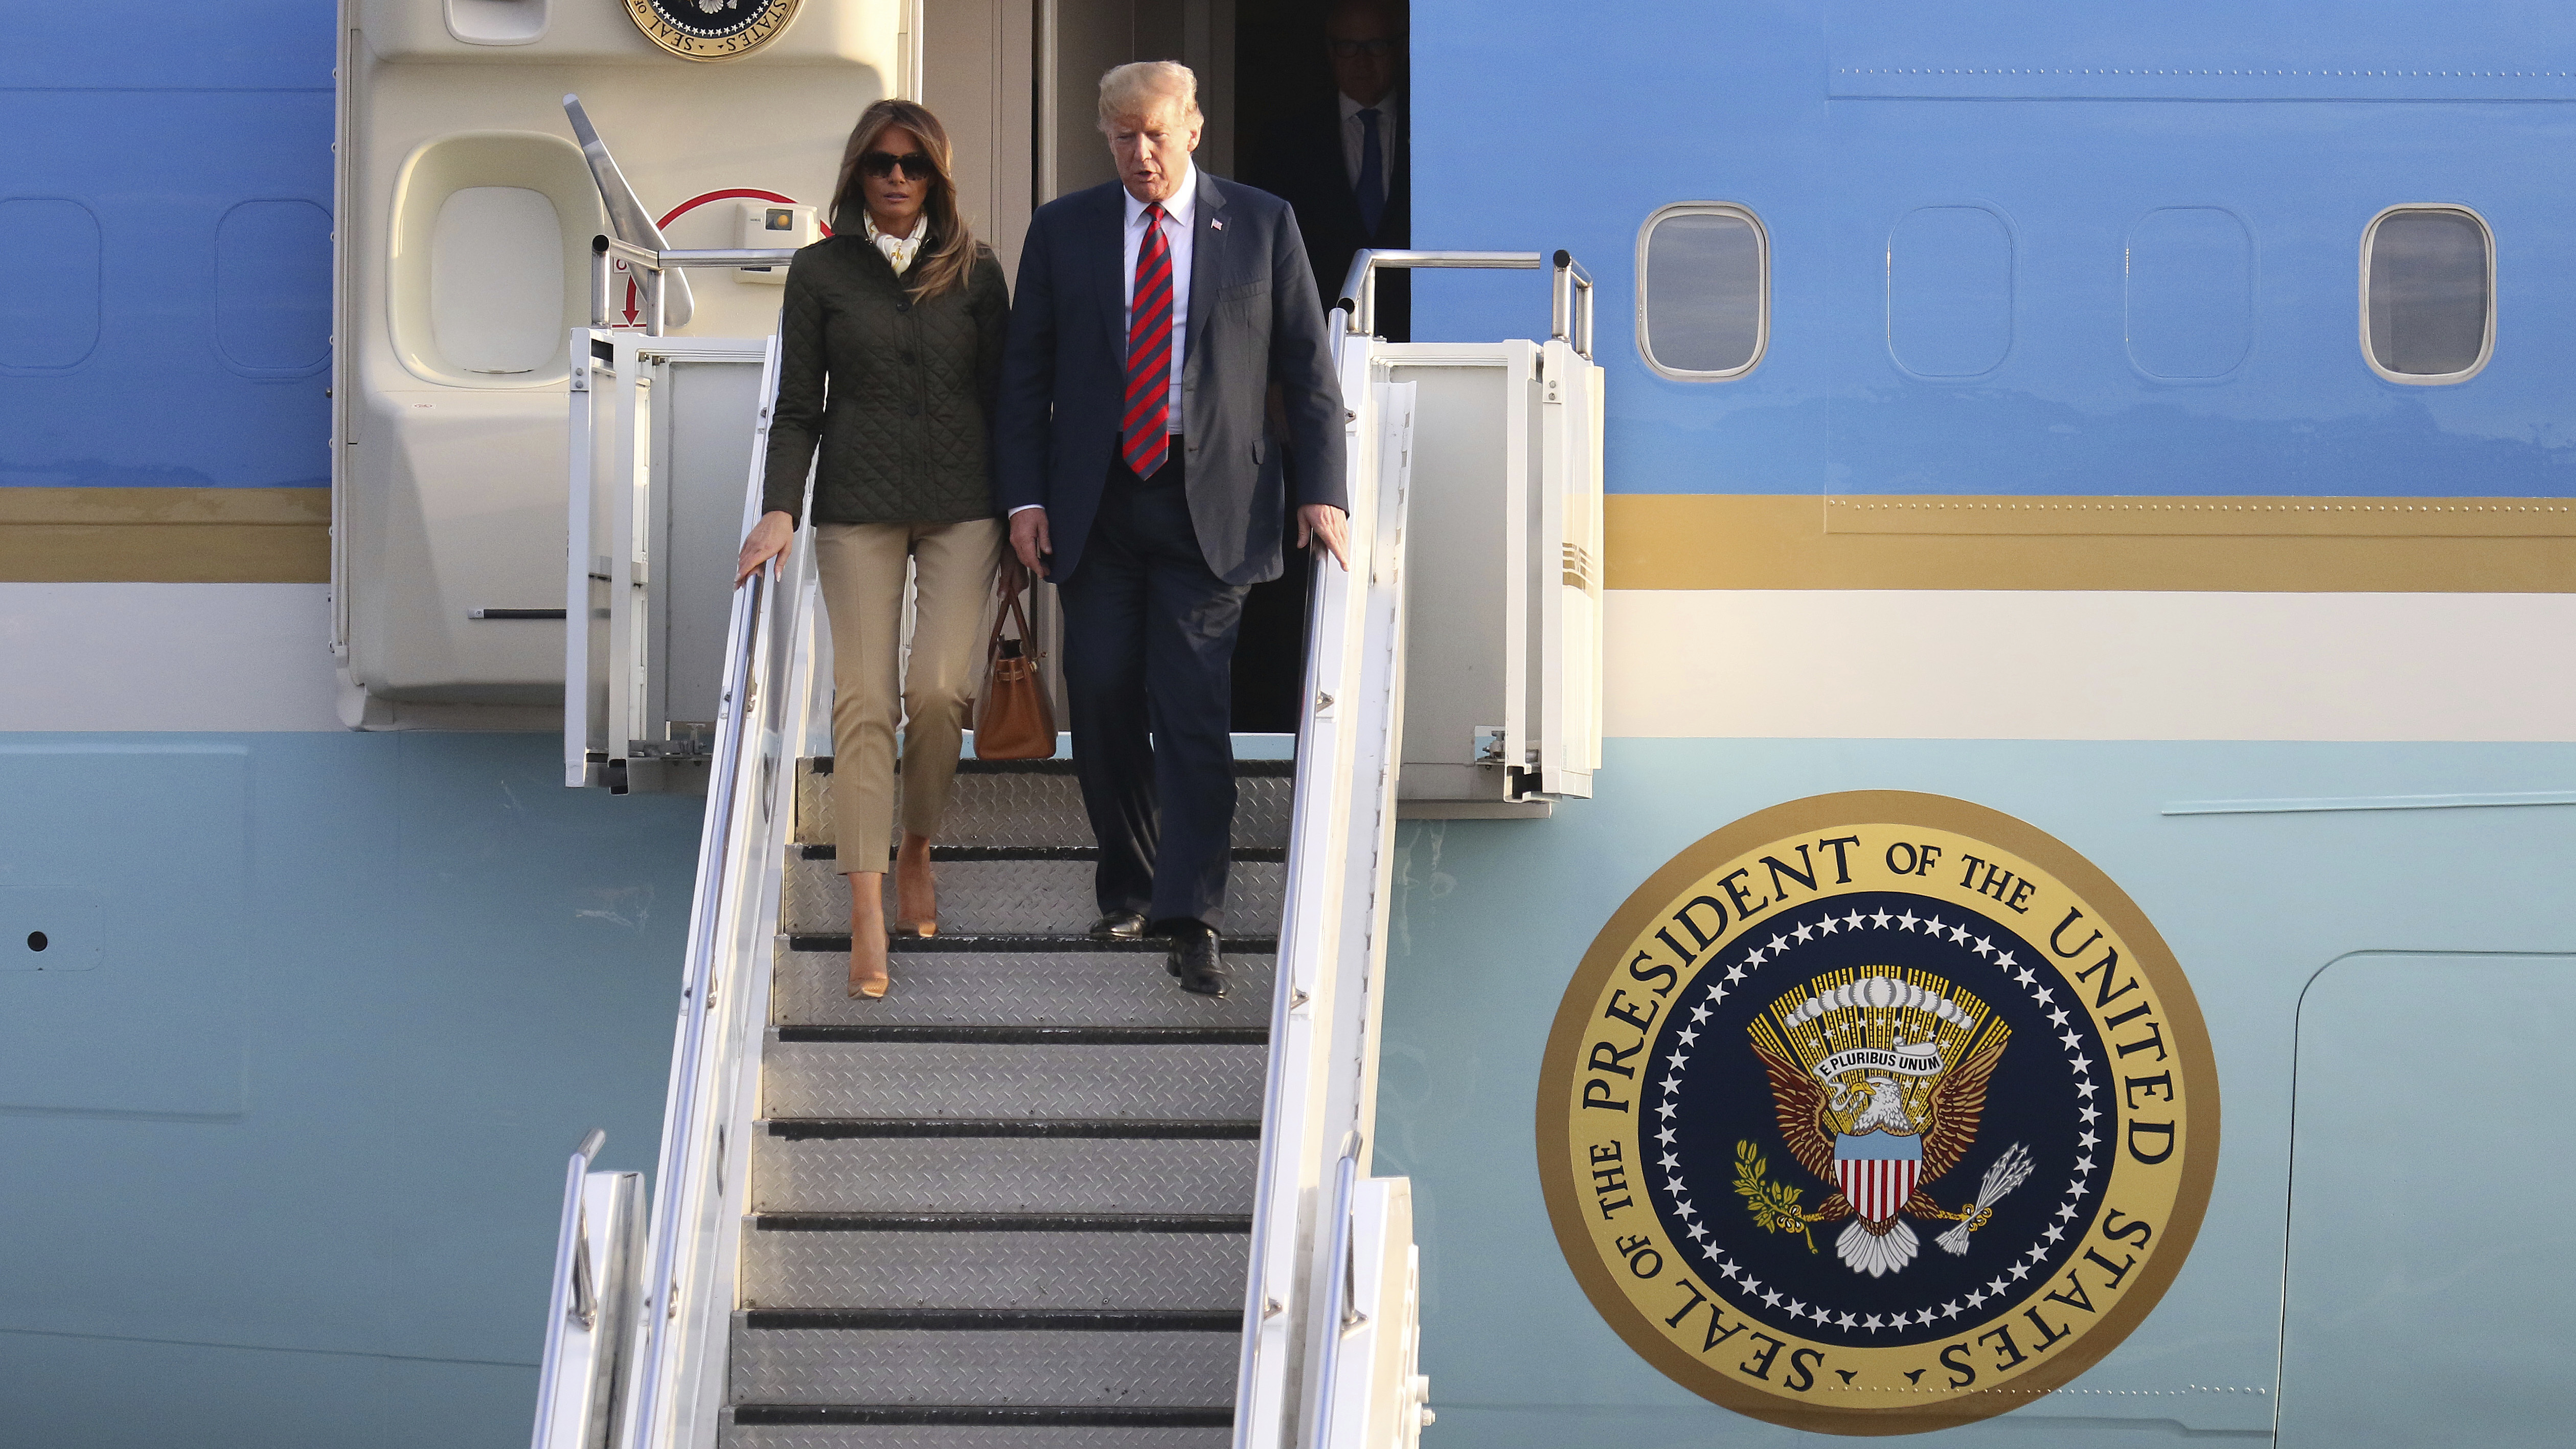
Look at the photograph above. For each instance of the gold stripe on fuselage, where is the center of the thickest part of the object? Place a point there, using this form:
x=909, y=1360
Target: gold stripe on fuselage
x=165, y=535
x=2236, y=544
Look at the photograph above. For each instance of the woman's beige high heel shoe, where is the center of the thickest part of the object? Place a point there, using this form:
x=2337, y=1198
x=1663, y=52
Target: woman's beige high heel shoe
x=868, y=958
x=916, y=890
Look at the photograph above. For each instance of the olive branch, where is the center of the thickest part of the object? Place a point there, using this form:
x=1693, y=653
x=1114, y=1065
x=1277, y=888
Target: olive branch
x=1774, y=1205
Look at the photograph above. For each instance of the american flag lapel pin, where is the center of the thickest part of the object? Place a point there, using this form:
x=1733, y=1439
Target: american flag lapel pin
x=1215, y=225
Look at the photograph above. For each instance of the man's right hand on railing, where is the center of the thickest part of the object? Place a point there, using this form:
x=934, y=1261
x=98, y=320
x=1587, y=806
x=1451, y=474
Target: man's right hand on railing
x=767, y=540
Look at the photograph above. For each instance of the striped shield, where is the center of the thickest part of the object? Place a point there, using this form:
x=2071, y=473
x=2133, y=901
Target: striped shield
x=1877, y=1172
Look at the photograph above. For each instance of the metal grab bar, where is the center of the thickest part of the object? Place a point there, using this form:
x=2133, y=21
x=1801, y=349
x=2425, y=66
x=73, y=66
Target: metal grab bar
x=1340, y=1296
x=573, y=1285
x=1569, y=291
x=1359, y=289
x=607, y=250
x=590, y=1319
x=585, y=1282
x=1569, y=310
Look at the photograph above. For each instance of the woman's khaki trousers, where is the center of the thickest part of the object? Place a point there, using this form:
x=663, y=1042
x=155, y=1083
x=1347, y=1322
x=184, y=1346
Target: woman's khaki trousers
x=876, y=690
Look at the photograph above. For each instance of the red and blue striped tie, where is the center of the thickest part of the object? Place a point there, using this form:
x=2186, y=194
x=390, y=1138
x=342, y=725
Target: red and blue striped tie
x=1147, y=427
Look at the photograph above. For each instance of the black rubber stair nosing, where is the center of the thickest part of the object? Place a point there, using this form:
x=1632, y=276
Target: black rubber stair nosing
x=822, y=765
x=1024, y=943
x=998, y=1320
x=1257, y=854
x=1002, y=1222
x=820, y=1129
x=1078, y=1416
x=1035, y=1035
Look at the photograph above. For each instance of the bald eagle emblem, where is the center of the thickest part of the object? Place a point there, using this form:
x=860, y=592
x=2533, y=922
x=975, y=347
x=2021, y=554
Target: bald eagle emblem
x=1878, y=1078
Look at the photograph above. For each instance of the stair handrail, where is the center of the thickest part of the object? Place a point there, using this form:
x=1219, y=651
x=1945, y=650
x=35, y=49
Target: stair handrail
x=1332, y=946
x=1331, y=933
x=732, y=909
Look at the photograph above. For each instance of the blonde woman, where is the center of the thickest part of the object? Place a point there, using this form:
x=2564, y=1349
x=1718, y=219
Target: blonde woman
x=890, y=355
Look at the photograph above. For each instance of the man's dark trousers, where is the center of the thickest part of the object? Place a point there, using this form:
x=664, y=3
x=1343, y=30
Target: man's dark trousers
x=1149, y=666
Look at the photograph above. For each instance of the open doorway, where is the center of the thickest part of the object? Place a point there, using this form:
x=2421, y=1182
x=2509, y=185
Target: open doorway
x=1319, y=119
x=1283, y=84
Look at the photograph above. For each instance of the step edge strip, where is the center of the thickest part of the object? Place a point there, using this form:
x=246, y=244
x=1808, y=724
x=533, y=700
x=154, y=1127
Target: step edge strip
x=1241, y=854
x=991, y=1320
x=974, y=1035
x=1078, y=1416
x=1017, y=944
x=1176, y=1224
x=843, y=1129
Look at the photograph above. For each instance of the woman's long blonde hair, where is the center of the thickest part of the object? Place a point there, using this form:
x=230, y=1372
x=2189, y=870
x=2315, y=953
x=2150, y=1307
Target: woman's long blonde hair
x=948, y=247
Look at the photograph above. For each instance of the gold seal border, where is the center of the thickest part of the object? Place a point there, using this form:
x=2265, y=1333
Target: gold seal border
x=671, y=41
x=1554, y=1138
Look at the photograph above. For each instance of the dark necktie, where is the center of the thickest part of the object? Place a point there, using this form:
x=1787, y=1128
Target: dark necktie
x=1370, y=189
x=1149, y=353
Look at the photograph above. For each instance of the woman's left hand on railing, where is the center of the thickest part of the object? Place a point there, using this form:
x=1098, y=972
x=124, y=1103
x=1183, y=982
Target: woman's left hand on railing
x=767, y=540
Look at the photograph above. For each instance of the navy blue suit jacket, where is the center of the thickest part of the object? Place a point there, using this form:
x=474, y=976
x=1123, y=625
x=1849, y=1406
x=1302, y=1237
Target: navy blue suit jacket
x=1254, y=320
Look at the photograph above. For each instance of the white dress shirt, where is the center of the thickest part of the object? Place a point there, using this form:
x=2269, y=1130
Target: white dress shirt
x=1178, y=215
x=1354, y=132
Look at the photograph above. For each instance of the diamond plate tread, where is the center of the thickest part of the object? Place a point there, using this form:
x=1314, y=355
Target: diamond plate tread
x=1045, y=1366
x=1043, y=806
x=1182, y=1082
x=1043, y=1269
x=1001, y=1174
x=1012, y=897
x=970, y=1436
x=1015, y=988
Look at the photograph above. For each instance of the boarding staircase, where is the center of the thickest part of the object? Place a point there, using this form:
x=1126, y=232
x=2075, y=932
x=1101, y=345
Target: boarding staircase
x=1016, y=1194
x=1036, y=1196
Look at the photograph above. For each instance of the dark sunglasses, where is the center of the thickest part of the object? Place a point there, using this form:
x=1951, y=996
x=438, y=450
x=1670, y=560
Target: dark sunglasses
x=915, y=165
x=1353, y=49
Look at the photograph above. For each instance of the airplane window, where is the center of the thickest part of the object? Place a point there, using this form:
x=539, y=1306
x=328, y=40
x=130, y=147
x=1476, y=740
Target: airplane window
x=1703, y=290
x=2428, y=294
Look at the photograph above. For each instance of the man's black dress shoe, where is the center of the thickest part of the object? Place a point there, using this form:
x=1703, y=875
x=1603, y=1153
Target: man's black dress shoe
x=1119, y=926
x=1197, y=959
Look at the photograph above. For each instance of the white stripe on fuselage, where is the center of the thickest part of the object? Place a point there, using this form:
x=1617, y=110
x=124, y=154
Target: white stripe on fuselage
x=217, y=657
x=1960, y=664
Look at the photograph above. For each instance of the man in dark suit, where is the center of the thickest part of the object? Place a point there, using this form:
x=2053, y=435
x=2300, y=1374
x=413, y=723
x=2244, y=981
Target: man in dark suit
x=1153, y=318
x=1346, y=164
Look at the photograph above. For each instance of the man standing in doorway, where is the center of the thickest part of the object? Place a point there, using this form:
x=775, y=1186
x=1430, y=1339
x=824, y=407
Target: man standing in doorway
x=1346, y=164
x=1154, y=316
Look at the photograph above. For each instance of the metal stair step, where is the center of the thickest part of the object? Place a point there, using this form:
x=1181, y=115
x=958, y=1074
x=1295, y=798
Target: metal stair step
x=1036, y=892
x=808, y=1168
x=946, y=980
x=937, y=1358
x=797, y=1427
x=1039, y=803
x=966, y=1261
x=1190, y=1081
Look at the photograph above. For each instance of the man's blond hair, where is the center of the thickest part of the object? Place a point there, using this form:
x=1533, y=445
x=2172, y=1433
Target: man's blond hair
x=1131, y=89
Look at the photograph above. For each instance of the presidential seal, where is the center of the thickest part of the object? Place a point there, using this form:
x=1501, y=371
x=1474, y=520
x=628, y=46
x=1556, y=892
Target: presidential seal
x=710, y=29
x=1877, y=1113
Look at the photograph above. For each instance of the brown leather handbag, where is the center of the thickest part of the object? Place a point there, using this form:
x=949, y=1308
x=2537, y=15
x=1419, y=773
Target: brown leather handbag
x=1013, y=718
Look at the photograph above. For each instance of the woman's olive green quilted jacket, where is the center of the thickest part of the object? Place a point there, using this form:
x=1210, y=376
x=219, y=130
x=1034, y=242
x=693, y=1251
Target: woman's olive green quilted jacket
x=900, y=393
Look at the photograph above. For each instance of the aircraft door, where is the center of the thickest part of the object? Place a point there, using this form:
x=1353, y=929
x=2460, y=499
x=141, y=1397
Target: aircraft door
x=467, y=204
